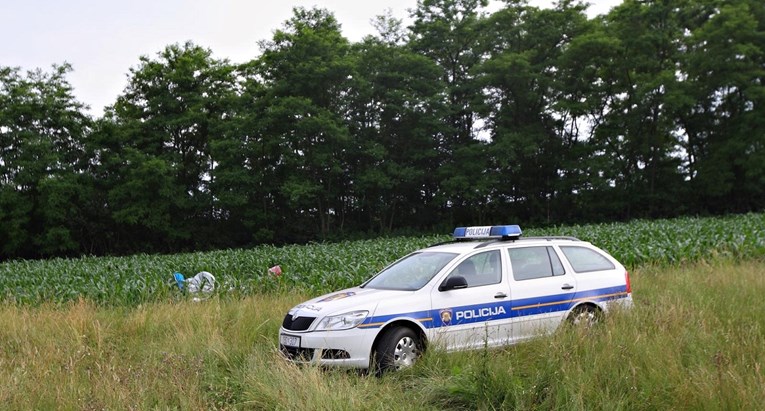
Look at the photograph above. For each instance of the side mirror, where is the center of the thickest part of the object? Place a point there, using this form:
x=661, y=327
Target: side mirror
x=453, y=283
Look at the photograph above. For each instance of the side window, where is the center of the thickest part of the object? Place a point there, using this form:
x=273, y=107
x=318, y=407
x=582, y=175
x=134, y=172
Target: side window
x=534, y=262
x=480, y=269
x=557, y=266
x=584, y=259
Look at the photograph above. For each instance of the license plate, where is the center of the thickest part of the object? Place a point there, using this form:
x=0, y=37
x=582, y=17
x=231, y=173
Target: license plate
x=289, y=340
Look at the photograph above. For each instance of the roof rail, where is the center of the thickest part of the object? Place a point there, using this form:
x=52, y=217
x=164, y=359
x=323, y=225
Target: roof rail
x=551, y=237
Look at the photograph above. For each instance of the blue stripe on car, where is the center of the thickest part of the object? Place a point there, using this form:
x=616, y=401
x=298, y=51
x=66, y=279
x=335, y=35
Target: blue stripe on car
x=500, y=310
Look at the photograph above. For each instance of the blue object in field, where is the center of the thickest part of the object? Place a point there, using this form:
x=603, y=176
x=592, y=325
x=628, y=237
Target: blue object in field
x=179, y=279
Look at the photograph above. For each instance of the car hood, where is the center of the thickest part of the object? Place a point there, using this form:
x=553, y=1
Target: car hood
x=342, y=301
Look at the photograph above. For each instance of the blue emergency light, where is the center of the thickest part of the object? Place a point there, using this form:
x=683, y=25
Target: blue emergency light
x=496, y=231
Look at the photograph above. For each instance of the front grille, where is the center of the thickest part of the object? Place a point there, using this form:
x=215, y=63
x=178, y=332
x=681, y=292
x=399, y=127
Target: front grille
x=297, y=354
x=330, y=354
x=299, y=324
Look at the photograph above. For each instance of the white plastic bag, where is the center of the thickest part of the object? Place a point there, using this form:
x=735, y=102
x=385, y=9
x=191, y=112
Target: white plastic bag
x=202, y=282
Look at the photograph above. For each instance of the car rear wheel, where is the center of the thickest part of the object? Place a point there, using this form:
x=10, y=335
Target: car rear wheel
x=398, y=348
x=585, y=316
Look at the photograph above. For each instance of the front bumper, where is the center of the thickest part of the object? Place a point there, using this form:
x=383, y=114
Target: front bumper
x=345, y=348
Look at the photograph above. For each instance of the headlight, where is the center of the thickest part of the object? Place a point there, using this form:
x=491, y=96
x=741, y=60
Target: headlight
x=342, y=321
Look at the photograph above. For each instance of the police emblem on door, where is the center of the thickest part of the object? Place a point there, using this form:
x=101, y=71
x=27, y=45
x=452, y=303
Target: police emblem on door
x=446, y=316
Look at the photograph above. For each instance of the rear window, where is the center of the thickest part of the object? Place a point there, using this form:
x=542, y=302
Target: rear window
x=584, y=260
x=534, y=262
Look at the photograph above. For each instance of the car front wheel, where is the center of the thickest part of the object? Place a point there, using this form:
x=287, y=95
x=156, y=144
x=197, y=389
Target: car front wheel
x=398, y=348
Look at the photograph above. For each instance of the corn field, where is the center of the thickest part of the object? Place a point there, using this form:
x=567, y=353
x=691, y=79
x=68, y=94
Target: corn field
x=318, y=268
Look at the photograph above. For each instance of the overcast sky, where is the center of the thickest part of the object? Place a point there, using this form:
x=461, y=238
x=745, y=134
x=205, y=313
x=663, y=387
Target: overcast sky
x=103, y=39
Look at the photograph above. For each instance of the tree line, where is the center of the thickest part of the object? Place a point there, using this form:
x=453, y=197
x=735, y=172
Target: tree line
x=520, y=115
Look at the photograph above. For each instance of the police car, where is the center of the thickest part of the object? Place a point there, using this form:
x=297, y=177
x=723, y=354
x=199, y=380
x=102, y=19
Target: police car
x=488, y=287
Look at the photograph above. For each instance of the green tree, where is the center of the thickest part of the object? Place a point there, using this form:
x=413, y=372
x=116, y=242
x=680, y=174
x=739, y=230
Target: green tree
x=637, y=135
x=721, y=120
x=42, y=127
x=394, y=112
x=532, y=147
x=306, y=74
x=171, y=110
x=244, y=184
x=587, y=80
x=449, y=32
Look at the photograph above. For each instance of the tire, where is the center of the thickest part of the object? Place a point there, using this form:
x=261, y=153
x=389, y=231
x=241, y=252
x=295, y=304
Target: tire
x=585, y=316
x=398, y=348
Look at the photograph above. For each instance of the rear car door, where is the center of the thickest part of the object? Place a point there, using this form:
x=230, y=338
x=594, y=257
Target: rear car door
x=598, y=276
x=543, y=290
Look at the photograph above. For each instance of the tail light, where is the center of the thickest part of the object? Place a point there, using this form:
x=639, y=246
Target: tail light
x=627, y=280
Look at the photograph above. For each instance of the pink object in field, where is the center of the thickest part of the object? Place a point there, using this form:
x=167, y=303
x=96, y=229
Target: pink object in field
x=275, y=270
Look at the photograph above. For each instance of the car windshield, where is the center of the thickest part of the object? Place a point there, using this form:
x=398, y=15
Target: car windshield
x=411, y=272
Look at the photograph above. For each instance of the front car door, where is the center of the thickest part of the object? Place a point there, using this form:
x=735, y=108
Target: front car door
x=477, y=315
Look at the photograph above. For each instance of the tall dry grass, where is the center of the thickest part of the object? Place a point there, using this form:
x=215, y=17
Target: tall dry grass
x=176, y=355
x=695, y=340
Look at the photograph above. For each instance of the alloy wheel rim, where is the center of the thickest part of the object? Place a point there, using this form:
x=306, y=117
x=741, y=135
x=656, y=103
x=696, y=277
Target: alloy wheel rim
x=405, y=353
x=586, y=318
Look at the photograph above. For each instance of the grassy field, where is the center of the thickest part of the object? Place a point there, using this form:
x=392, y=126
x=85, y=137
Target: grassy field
x=693, y=341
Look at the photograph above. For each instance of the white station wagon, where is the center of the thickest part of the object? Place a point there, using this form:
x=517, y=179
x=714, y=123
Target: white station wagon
x=489, y=286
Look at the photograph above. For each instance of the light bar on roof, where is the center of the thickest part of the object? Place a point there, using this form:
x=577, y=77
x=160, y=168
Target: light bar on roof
x=496, y=231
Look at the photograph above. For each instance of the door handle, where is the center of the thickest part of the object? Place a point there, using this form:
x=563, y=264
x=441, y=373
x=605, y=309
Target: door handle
x=567, y=287
x=500, y=295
